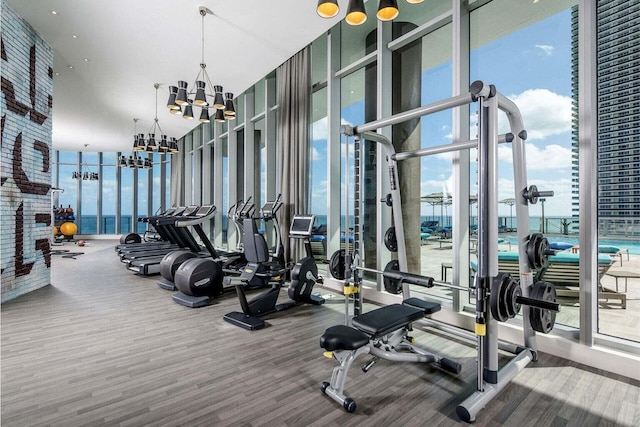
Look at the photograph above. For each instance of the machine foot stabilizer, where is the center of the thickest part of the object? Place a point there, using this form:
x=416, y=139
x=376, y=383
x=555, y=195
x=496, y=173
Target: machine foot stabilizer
x=250, y=323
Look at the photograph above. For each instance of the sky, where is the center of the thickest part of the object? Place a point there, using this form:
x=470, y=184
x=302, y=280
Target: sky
x=532, y=67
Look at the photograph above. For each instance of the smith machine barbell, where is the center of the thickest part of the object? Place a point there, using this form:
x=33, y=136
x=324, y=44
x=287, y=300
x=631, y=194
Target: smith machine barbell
x=497, y=295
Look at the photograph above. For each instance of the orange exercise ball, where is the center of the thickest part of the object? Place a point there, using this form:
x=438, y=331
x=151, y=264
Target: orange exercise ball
x=56, y=231
x=68, y=229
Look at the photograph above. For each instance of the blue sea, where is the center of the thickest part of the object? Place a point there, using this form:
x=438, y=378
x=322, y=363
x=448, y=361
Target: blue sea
x=557, y=229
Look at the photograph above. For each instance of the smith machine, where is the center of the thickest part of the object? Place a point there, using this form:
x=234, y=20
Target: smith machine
x=498, y=296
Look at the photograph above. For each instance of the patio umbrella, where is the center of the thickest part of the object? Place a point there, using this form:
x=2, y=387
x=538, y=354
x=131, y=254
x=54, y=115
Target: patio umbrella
x=437, y=199
x=510, y=201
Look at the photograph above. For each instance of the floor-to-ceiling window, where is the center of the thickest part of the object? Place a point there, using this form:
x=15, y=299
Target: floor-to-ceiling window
x=536, y=48
x=527, y=49
x=109, y=201
x=618, y=177
x=87, y=214
x=67, y=165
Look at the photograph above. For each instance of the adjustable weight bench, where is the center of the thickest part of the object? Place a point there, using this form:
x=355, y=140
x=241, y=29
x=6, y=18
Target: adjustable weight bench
x=381, y=333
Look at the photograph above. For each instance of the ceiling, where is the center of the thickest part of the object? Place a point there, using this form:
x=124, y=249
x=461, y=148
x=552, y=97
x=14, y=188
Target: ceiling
x=130, y=45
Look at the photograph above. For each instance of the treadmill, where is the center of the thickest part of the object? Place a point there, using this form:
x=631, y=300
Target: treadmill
x=167, y=239
x=151, y=265
x=180, y=239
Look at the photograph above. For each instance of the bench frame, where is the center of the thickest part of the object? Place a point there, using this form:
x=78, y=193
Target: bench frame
x=395, y=346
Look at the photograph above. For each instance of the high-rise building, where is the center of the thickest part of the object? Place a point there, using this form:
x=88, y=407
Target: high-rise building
x=618, y=51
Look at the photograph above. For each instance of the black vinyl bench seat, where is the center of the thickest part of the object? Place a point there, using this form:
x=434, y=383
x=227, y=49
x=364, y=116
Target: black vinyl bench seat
x=376, y=323
x=387, y=319
x=341, y=337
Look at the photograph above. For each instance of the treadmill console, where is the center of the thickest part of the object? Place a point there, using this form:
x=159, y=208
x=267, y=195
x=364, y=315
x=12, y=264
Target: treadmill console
x=301, y=226
x=205, y=210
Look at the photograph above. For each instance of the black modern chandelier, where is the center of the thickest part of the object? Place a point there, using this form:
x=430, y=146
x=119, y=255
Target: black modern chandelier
x=182, y=101
x=85, y=173
x=135, y=161
x=150, y=144
x=356, y=14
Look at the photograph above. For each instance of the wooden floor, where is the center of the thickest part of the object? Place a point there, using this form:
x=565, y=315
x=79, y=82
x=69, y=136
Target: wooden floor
x=104, y=347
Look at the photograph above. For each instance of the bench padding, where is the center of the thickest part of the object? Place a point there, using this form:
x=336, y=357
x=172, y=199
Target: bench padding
x=341, y=337
x=387, y=319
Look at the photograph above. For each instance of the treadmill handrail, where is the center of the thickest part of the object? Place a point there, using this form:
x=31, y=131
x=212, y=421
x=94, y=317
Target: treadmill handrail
x=194, y=220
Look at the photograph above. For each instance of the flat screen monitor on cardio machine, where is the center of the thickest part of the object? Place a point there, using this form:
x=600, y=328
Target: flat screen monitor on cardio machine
x=301, y=226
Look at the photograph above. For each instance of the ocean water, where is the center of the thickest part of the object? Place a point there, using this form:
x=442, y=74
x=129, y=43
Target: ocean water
x=557, y=229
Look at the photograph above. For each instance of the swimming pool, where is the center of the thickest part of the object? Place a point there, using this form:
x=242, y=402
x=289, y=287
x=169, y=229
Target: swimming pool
x=632, y=245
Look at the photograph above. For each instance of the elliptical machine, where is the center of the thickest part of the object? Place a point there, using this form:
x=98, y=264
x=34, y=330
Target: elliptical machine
x=198, y=280
x=233, y=260
x=304, y=275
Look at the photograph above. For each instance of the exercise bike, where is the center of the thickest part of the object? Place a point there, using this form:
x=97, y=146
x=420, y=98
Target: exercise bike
x=304, y=275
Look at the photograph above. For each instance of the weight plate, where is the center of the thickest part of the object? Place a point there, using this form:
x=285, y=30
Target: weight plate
x=513, y=292
x=543, y=250
x=393, y=286
x=390, y=239
x=542, y=320
x=337, y=264
x=497, y=297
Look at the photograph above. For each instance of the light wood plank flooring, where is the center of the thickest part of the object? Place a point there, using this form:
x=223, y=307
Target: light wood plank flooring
x=104, y=347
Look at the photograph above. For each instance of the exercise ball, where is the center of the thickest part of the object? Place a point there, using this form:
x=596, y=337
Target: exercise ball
x=56, y=231
x=80, y=243
x=68, y=229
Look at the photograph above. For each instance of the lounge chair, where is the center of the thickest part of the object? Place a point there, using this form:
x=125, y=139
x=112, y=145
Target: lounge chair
x=564, y=272
x=613, y=251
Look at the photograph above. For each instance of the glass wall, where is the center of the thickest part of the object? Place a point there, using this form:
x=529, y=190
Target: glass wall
x=318, y=169
x=618, y=168
x=529, y=51
x=109, y=199
x=537, y=47
x=87, y=215
x=136, y=191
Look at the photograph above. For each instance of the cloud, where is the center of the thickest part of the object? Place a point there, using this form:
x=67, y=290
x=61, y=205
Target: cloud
x=315, y=154
x=551, y=156
x=320, y=128
x=546, y=49
x=544, y=113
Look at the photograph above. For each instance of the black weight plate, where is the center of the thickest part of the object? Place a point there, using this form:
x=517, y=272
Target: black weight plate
x=543, y=249
x=497, y=295
x=531, y=251
x=542, y=320
x=391, y=240
x=393, y=286
x=513, y=292
x=337, y=264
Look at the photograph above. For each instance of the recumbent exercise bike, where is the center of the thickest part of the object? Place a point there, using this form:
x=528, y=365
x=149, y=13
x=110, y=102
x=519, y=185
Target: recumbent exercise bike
x=304, y=275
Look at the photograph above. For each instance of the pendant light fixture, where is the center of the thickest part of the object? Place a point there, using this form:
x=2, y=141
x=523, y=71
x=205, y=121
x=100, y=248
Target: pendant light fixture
x=387, y=10
x=135, y=161
x=181, y=100
x=328, y=8
x=85, y=173
x=150, y=144
x=356, y=14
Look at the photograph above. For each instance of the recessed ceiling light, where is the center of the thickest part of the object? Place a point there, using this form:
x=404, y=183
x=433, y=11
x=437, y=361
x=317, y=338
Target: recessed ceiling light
x=57, y=74
x=70, y=67
x=74, y=36
x=86, y=59
x=53, y=12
